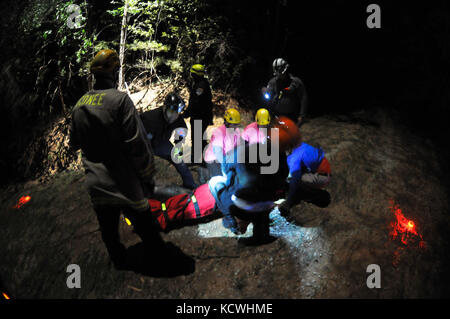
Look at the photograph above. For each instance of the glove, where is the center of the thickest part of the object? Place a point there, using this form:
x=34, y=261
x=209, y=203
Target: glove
x=230, y=223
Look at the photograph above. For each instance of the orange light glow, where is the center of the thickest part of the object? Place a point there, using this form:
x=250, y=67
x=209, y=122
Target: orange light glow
x=22, y=201
x=5, y=296
x=128, y=221
x=404, y=227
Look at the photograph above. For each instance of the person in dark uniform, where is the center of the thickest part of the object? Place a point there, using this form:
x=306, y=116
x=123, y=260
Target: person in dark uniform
x=243, y=195
x=160, y=125
x=117, y=158
x=199, y=108
x=285, y=93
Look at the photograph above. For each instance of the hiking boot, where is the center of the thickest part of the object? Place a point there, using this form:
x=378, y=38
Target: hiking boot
x=320, y=198
x=256, y=240
x=284, y=210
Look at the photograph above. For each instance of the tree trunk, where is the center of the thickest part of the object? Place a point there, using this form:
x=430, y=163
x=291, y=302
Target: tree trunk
x=123, y=39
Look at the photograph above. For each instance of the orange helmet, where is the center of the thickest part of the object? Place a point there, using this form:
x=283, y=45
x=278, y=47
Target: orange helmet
x=289, y=135
x=105, y=62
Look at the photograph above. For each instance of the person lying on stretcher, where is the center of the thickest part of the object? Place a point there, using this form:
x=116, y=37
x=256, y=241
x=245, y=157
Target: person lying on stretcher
x=242, y=195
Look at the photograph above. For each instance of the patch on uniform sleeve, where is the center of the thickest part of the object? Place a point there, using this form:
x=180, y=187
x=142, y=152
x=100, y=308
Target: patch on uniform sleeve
x=199, y=91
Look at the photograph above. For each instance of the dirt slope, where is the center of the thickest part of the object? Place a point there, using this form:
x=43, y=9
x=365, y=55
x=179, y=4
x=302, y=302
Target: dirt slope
x=321, y=253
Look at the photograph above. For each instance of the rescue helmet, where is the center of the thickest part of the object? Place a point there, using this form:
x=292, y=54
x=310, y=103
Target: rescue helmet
x=279, y=66
x=198, y=69
x=174, y=102
x=289, y=136
x=105, y=62
x=232, y=116
x=173, y=106
x=262, y=117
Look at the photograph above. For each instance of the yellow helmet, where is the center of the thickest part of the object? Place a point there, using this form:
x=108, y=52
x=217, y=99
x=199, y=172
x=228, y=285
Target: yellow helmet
x=105, y=62
x=232, y=116
x=198, y=69
x=262, y=117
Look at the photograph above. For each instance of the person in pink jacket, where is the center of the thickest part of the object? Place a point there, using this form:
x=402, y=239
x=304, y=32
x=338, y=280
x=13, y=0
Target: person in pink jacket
x=256, y=132
x=223, y=139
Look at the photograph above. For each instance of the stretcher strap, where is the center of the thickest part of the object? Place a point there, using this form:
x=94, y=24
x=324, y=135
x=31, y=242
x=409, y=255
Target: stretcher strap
x=164, y=210
x=197, y=209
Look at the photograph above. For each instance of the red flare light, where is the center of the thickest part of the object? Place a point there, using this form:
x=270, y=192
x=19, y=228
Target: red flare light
x=22, y=201
x=5, y=296
x=404, y=227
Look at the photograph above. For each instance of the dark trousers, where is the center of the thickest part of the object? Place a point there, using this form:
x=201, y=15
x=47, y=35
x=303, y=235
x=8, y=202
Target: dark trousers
x=144, y=225
x=316, y=196
x=214, y=169
x=164, y=151
x=260, y=221
x=197, y=157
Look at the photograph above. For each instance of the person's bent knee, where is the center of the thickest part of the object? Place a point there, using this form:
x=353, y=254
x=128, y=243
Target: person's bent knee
x=324, y=199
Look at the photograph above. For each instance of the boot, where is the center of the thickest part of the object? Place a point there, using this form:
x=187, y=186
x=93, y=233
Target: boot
x=261, y=233
x=284, y=209
x=319, y=197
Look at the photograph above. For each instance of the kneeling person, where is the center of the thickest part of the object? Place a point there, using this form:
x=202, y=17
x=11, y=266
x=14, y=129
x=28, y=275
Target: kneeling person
x=310, y=173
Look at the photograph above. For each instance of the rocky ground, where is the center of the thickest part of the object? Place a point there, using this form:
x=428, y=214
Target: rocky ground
x=319, y=253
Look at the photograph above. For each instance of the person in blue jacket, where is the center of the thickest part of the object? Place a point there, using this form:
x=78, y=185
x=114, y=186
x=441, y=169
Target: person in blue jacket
x=309, y=172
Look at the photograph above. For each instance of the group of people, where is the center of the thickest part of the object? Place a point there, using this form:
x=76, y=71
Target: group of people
x=118, y=147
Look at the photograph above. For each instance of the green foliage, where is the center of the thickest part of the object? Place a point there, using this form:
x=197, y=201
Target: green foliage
x=62, y=48
x=75, y=36
x=171, y=35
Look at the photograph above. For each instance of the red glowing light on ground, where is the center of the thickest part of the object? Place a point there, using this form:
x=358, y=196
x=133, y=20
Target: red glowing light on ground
x=5, y=296
x=404, y=227
x=22, y=201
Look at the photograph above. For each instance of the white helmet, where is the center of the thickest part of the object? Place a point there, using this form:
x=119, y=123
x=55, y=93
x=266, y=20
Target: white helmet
x=280, y=66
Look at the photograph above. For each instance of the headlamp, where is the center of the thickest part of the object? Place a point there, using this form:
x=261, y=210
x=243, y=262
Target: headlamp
x=180, y=107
